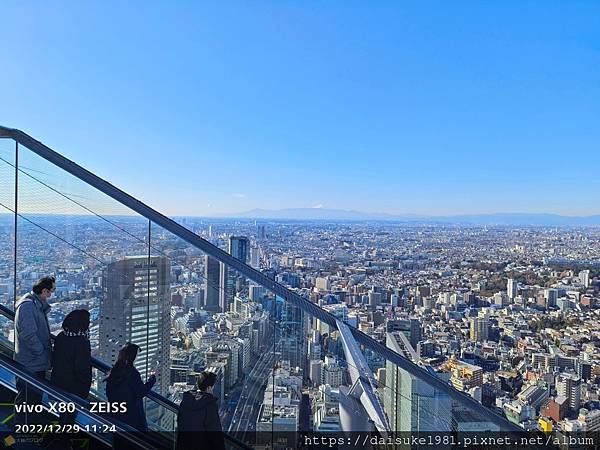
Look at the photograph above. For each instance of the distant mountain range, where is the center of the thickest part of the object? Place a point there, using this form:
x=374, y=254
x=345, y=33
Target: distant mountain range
x=540, y=219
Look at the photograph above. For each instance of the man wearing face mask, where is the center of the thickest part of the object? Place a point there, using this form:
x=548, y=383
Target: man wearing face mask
x=33, y=347
x=198, y=422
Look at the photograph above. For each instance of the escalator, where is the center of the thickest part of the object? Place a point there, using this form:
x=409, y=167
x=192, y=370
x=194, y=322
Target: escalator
x=99, y=429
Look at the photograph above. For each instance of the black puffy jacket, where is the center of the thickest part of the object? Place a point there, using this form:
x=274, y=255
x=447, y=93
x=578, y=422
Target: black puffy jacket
x=72, y=364
x=198, y=422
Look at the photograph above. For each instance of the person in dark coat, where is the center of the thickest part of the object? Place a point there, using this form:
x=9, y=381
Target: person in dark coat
x=71, y=367
x=33, y=344
x=72, y=356
x=124, y=384
x=198, y=421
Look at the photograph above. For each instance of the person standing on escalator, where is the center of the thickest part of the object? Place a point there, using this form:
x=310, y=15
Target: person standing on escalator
x=72, y=358
x=198, y=421
x=71, y=371
x=124, y=384
x=33, y=347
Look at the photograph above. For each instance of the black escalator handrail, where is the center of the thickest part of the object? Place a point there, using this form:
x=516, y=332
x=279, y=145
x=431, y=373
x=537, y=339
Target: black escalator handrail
x=102, y=366
x=278, y=289
x=157, y=398
x=22, y=373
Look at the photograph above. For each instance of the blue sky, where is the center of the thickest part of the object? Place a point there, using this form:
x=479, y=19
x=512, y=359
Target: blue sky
x=403, y=107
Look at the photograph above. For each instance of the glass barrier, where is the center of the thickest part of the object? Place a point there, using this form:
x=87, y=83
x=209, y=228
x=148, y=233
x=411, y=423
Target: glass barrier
x=209, y=330
x=280, y=370
x=7, y=220
x=6, y=334
x=410, y=402
x=94, y=246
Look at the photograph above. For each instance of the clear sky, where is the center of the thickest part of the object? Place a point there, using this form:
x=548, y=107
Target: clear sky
x=423, y=107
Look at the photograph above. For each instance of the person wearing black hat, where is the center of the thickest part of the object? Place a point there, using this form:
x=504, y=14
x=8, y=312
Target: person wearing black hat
x=72, y=356
x=198, y=421
x=71, y=368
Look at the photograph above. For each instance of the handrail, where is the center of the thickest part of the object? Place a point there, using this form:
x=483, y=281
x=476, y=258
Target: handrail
x=156, y=397
x=294, y=298
x=22, y=373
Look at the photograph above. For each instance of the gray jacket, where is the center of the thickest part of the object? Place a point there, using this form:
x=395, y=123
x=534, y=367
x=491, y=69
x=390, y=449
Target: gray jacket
x=33, y=347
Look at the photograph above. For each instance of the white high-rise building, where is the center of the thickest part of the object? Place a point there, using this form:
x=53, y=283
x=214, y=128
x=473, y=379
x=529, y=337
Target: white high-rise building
x=315, y=372
x=584, y=277
x=331, y=373
x=512, y=289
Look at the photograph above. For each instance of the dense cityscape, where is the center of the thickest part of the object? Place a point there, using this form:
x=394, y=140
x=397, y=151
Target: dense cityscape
x=508, y=315
x=285, y=225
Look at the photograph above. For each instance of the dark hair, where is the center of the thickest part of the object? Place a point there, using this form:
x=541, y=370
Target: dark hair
x=43, y=283
x=124, y=363
x=77, y=321
x=206, y=380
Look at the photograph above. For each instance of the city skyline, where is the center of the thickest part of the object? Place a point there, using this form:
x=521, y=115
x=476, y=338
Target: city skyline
x=504, y=314
x=391, y=108
x=340, y=216
x=359, y=217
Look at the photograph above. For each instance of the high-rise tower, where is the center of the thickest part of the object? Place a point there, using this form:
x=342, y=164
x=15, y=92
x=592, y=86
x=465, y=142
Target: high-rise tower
x=212, y=279
x=512, y=288
x=238, y=248
x=135, y=308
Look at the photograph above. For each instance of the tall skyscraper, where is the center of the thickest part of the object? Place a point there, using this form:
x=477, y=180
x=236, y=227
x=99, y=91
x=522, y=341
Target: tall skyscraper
x=260, y=231
x=293, y=339
x=135, y=308
x=551, y=296
x=238, y=248
x=479, y=329
x=255, y=257
x=512, y=289
x=374, y=299
x=212, y=279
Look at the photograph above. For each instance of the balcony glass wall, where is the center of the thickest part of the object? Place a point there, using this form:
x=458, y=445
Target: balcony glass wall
x=280, y=369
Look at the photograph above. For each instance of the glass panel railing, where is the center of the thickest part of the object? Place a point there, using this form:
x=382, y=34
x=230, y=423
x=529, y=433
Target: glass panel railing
x=7, y=220
x=98, y=251
x=6, y=334
x=209, y=329
x=281, y=368
x=250, y=416
x=418, y=396
x=95, y=247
